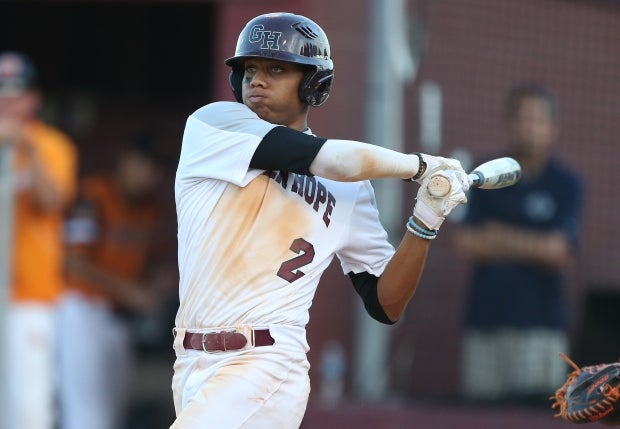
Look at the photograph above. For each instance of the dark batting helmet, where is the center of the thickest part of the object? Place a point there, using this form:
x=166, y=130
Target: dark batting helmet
x=291, y=38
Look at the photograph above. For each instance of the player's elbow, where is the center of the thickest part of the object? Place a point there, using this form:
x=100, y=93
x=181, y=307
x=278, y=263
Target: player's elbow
x=557, y=253
x=338, y=170
x=339, y=162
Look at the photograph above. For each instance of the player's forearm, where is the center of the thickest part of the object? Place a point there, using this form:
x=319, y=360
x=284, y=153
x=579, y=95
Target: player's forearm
x=400, y=279
x=495, y=243
x=44, y=191
x=546, y=249
x=130, y=295
x=349, y=161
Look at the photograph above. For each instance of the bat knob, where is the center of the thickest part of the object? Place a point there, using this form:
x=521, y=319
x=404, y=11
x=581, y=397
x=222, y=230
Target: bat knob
x=439, y=186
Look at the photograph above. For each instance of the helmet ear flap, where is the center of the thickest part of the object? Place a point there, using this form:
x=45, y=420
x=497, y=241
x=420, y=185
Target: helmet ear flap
x=235, y=78
x=315, y=86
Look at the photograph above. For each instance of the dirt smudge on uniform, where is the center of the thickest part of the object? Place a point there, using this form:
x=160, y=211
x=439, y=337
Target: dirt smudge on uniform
x=266, y=221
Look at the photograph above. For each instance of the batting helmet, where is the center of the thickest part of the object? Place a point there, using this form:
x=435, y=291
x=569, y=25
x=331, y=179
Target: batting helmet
x=291, y=38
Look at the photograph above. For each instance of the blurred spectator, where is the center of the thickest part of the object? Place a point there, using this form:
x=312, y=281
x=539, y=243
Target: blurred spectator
x=44, y=178
x=110, y=234
x=519, y=240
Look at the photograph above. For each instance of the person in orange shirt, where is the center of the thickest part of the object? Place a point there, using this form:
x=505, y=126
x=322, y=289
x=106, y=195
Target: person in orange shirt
x=110, y=235
x=44, y=175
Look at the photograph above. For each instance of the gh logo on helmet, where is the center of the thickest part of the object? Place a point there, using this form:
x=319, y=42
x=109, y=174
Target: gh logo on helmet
x=268, y=39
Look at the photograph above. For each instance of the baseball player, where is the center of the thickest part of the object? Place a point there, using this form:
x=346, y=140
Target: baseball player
x=110, y=234
x=263, y=206
x=43, y=174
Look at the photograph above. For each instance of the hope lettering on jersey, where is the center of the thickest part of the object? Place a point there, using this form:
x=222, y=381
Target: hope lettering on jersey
x=313, y=192
x=268, y=39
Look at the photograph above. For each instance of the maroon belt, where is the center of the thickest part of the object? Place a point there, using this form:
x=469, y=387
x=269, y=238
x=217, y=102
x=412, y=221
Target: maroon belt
x=225, y=340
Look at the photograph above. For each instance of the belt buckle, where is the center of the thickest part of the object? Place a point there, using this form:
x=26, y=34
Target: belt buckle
x=223, y=333
x=203, y=339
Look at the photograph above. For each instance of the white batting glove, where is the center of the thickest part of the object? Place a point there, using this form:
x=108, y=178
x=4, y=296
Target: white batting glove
x=432, y=211
x=431, y=164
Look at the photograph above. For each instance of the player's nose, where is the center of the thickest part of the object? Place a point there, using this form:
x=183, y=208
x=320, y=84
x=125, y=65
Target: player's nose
x=258, y=79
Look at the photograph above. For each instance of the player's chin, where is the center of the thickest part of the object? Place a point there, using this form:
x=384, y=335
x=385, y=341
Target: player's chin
x=261, y=111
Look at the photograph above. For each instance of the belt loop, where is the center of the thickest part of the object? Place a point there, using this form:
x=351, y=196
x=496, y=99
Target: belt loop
x=253, y=337
x=179, y=336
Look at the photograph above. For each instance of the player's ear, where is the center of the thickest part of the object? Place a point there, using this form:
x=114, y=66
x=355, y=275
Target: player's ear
x=235, y=78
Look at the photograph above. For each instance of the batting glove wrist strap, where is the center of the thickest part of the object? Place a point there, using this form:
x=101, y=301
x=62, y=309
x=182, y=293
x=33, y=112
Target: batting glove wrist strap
x=427, y=215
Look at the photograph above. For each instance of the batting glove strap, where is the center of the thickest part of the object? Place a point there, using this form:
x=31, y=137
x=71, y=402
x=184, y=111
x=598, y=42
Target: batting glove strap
x=427, y=215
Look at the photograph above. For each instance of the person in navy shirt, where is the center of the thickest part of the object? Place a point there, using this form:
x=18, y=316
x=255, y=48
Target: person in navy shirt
x=519, y=240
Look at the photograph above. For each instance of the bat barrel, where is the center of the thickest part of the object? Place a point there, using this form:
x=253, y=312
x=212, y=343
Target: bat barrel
x=495, y=174
x=498, y=173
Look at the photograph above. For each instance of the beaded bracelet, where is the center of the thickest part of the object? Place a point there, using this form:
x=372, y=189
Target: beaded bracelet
x=420, y=228
x=418, y=231
x=417, y=234
x=421, y=168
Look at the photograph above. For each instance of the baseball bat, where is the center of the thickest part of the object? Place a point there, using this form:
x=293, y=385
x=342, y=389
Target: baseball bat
x=494, y=174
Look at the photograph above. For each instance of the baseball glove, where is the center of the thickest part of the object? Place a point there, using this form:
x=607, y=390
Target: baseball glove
x=590, y=394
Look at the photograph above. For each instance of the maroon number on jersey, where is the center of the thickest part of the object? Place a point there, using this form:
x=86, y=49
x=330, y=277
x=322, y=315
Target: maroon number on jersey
x=289, y=270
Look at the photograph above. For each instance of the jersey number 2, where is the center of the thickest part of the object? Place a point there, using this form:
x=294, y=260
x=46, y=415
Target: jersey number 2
x=289, y=270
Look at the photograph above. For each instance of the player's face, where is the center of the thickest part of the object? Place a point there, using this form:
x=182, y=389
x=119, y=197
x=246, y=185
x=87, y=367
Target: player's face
x=20, y=107
x=533, y=128
x=138, y=175
x=270, y=89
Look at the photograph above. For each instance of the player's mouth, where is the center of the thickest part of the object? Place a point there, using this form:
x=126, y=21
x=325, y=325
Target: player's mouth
x=256, y=98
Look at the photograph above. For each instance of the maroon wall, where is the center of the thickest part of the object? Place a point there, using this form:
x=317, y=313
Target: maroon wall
x=476, y=51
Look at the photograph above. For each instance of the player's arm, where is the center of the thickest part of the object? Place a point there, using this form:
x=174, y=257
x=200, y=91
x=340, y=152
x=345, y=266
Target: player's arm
x=496, y=242
x=82, y=232
x=130, y=295
x=47, y=194
x=44, y=191
x=386, y=297
x=285, y=149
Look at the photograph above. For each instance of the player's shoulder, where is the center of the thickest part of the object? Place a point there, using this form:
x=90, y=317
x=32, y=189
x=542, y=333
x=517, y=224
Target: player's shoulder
x=97, y=185
x=49, y=133
x=563, y=171
x=216, y=111
x=228, y=116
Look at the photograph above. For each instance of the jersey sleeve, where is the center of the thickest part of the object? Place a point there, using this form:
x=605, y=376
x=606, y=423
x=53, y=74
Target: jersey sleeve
x=219, y=141
x=59, y=156
x=366, y=247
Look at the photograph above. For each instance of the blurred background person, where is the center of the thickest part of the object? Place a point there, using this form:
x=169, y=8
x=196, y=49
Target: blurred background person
x=44, y=174
x=519, y=240
x=111, y=233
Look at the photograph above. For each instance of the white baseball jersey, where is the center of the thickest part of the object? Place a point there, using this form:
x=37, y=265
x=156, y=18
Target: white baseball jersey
x=252, y=243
